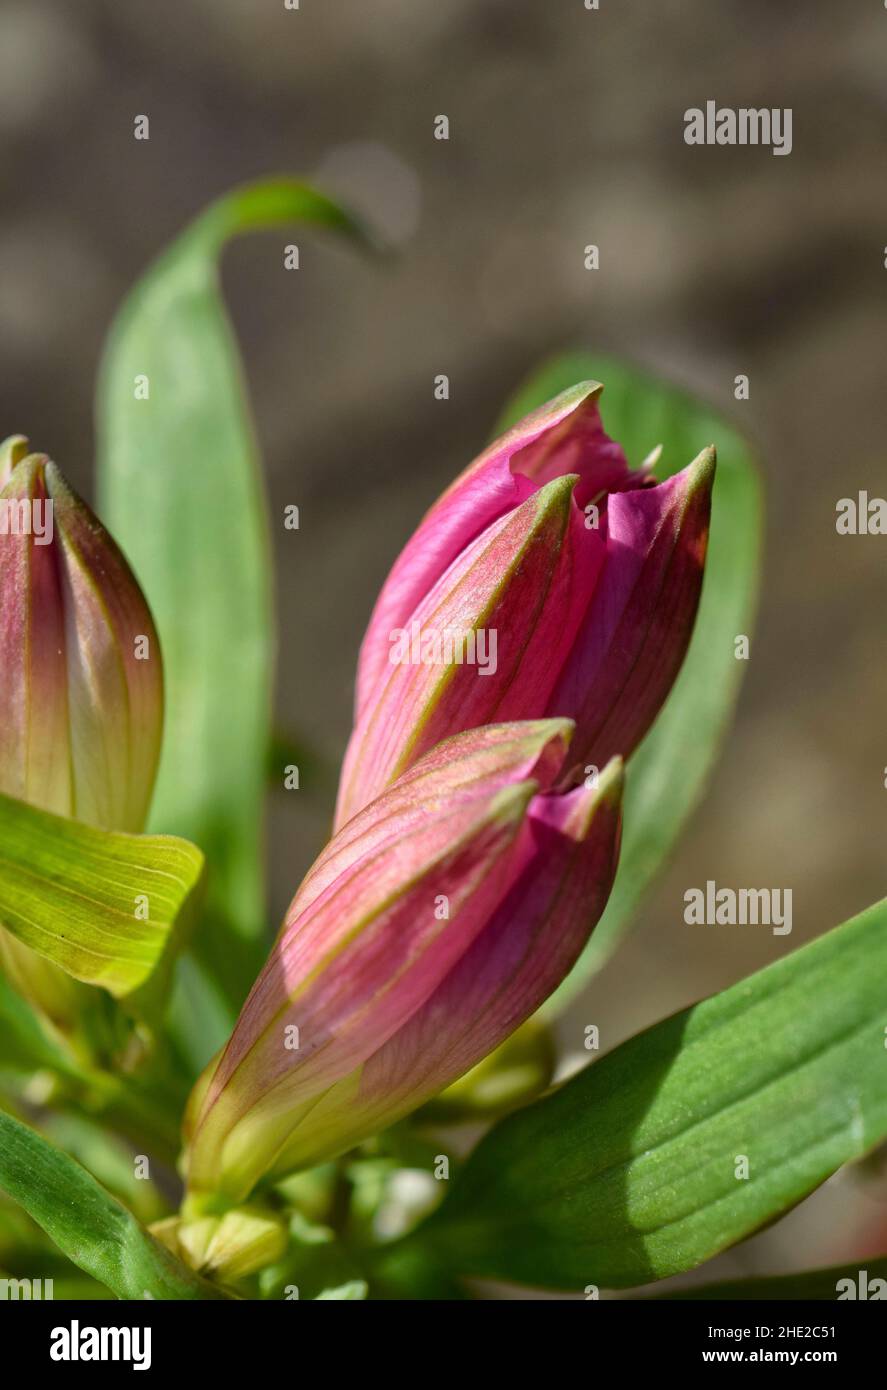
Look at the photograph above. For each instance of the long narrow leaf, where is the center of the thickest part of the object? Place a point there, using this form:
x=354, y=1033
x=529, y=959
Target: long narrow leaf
x=89, y=1225
x=181, y=490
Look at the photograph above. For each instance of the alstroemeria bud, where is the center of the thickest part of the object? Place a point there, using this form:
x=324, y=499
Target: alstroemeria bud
x=550, y=579
x=81, y=686
x=226, y=1248
x=12, y=451
x=429, y=929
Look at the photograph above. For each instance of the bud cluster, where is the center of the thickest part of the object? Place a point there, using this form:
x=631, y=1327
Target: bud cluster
x=472, y=855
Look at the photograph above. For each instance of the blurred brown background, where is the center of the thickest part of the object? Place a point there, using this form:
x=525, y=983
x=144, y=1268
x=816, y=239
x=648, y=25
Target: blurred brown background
x=566, y=128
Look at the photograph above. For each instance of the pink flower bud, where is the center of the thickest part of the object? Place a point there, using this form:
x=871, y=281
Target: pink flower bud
x=549, y=580
x=81, y=685
x=429, y=929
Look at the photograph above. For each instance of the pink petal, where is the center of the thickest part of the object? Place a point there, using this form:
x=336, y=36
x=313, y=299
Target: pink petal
x=115, y=698
x=360, y=958
x=466, y=768
x=34, y=741
x=527, y=583
x=563, y=436
x=641, y=617
x=569, y=851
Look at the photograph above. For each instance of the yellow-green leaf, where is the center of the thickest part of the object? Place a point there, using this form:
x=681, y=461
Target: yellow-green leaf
x=111, y=909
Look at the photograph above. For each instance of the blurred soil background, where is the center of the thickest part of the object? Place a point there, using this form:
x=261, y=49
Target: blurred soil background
x=566, y=128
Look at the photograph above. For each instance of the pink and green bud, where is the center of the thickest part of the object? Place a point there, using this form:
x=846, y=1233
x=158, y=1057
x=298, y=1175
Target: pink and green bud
x=81, y=685
x=549, y=580
x=430, y=928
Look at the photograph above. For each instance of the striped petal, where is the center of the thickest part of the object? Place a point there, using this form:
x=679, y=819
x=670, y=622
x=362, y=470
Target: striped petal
x=569, y=850
x=641, y=616
x=81, y=687
x=518, y=595
x=471, y=837
x=564, y=436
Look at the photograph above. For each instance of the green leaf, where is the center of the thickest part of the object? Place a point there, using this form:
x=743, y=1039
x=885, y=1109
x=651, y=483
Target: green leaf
x=76, y=894
x=109, y=1160
x=667, y=774
x=89, y=1225
x=628, y=1173
x=25, y=1044
x=316, y=1264
x=181, y=490
x=26, y=1252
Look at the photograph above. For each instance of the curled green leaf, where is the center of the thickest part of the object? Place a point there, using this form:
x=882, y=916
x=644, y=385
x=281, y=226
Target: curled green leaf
x=111, y=909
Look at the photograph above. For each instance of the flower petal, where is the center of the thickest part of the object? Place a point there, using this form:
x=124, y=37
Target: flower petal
x=521, y=592
x=347, y=973
x=641, y=616
x=563, y=436
x=569, y=849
